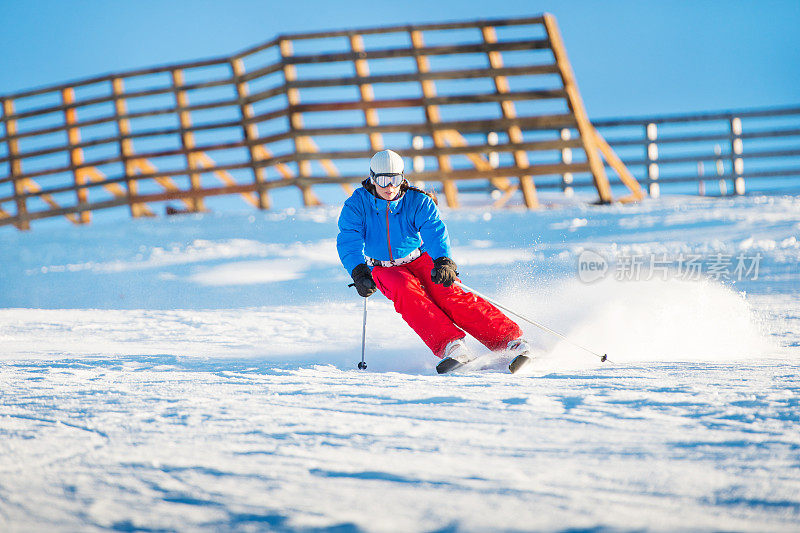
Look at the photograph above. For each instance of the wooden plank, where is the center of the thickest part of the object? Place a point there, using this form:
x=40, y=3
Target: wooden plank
x=458, y=142
x=116, y=159
x=437, y=100
x=506, y=196
x=31, y=186
x=250, y=133
x=121, y=75
x=549, y=169
x=126, y=146
x=302, y=108
x=75, y=154
x=460, y=74
x=259, y=72
x=255, y=49
x=619, y=167
x=115, y=189
x=440, y=50
x=133, y=94
x=96, y=178
x=269, y=160
x=457, y=145
x=296, y=122
x=541, y=122
x=206, y=162
x=433, y=116
x=166, y=182
x=366, y=91
x=538, y=122
x=141, y=114
x=266, y=159
x=509, y=111
x=250, y=187
x=544, y=169
x=15, y=165
x=575, y=102
x=264, y=154
x=430, y=26
x=187, y=138
x=327, y=165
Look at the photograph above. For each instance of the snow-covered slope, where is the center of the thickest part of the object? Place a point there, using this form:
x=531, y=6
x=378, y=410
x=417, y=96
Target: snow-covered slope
x=198, y=372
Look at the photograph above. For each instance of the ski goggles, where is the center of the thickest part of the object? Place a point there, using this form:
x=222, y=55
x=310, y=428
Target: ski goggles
x=384, y=180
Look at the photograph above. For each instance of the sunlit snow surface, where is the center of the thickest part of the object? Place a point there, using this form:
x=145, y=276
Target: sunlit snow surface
x=198, y=373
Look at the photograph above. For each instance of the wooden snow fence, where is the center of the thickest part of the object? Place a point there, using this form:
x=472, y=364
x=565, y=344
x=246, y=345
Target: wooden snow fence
x=488, y=100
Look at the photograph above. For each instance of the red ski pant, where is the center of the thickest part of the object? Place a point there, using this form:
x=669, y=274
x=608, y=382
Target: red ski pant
x=440, y=314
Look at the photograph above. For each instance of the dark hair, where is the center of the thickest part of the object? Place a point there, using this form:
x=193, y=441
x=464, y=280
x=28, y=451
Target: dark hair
x=367, y=184
x=432, y=195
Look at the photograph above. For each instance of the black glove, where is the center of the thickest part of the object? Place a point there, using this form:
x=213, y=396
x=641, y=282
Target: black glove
x=362, y=279
x=444, y=271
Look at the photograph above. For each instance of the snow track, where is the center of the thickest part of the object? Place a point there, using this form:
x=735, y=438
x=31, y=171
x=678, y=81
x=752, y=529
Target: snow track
x=198, y=374
x=157, y=443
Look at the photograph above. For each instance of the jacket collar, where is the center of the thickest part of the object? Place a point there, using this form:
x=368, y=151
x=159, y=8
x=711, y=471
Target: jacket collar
x=381, y=204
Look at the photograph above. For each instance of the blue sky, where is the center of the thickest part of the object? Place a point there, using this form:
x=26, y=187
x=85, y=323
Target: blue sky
x=630, y=57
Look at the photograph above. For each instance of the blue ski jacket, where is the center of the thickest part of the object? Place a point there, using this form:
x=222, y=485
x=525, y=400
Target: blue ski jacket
x=383, y=230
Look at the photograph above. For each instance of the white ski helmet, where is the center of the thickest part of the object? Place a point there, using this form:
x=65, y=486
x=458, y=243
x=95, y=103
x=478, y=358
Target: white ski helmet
x=386, y=162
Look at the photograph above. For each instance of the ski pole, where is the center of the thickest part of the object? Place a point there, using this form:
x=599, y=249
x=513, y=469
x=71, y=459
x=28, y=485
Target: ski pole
x=603, y=357
x=363, y=364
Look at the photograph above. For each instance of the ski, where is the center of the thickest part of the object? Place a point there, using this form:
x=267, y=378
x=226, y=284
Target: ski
x=448, y=364
x=519, y=362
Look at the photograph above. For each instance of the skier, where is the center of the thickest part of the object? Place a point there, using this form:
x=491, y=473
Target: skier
x=391, y=238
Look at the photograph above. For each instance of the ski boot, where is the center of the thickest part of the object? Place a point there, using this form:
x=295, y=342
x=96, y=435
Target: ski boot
x=456, y=355
x=521, y=353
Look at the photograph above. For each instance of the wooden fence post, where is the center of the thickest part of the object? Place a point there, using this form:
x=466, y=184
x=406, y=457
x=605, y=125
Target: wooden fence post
x=296, y=123
x=619, y=167
x=366, y=92
x=187, y=139
x=75, y=154
x=3, y=213
x=432, y=117
x=250, y=132
x=575, y=103
x=126, y=145
x=509, y=112
x=15, y=166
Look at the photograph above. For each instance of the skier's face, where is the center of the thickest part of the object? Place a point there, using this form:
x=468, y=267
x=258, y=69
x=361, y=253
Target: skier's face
x=389, y=192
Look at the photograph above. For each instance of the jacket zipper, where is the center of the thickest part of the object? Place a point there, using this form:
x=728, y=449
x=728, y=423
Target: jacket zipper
x=388, y=237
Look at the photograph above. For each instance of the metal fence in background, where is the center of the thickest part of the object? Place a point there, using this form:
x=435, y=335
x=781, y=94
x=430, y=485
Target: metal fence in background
x=716, y=153
x=720, y=153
